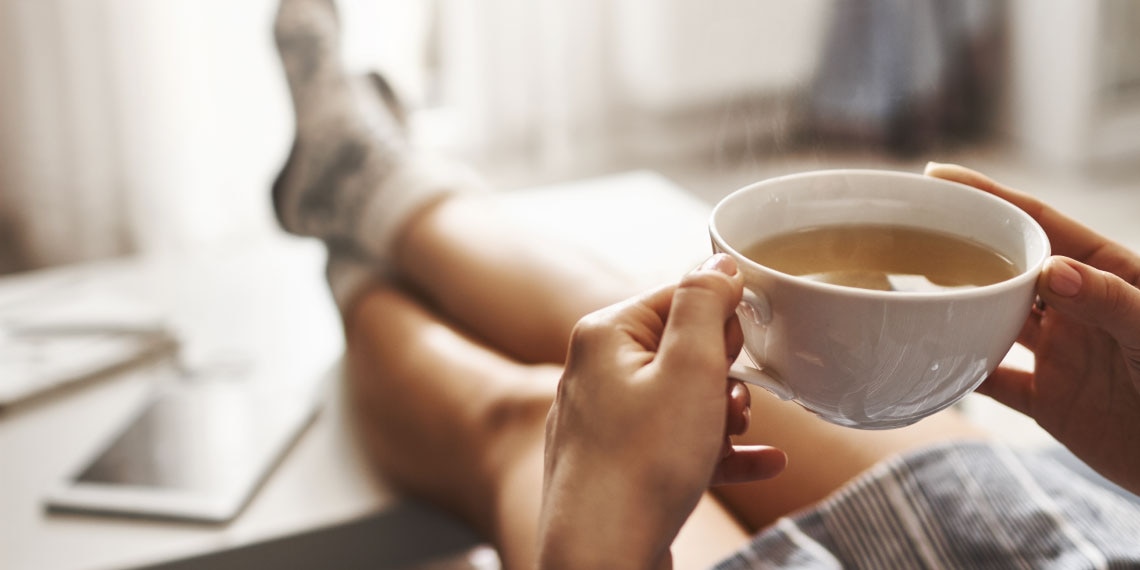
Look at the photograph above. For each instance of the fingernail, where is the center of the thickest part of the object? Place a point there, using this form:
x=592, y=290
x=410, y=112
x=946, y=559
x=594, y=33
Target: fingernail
x=931, y=166
x=720, y=262
x=1063, y=279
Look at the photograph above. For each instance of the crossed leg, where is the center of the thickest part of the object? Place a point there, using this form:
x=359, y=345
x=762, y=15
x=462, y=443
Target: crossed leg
x=453, y=372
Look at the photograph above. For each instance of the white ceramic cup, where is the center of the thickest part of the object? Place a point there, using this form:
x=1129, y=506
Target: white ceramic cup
x=875, y=359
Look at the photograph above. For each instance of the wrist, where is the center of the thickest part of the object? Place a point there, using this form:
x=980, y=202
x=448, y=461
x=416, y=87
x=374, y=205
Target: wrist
x=602, y=518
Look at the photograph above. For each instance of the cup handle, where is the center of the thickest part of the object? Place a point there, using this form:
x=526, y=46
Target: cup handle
x=755, y=307
x=761, y=378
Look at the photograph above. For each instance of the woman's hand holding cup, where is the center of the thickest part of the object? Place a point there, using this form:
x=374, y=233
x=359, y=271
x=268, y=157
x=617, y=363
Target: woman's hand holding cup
x=1085, y=337
x=640, y=424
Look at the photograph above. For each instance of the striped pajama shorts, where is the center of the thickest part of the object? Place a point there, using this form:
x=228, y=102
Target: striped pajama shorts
x=964, y=505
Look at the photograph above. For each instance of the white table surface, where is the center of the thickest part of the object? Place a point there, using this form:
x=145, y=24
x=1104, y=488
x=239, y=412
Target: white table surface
x=268, y=299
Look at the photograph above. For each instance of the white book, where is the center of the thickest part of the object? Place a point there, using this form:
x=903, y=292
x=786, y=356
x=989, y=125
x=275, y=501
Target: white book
x=60, y=340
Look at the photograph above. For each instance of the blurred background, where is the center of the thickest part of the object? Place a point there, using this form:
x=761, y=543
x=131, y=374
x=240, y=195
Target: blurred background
x=156, y=126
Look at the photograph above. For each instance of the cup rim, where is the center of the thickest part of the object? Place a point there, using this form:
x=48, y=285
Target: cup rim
x=1030, y=273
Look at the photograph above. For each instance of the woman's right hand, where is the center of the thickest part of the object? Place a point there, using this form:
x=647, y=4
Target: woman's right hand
x=1085, y=386
x=640, y=424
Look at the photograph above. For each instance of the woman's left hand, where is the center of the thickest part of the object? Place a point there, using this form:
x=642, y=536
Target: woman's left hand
x=640, y=425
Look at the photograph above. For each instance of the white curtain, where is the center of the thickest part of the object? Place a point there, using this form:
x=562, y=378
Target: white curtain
x=567, y=81
x=136, y=125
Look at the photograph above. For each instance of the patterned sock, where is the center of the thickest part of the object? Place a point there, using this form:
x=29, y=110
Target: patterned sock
x=351, y=178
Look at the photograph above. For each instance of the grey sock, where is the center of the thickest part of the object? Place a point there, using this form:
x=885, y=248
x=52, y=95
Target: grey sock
x=351, y=177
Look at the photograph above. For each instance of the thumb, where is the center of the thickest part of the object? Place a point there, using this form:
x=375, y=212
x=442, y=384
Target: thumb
x=1095, y=297
x=694, y=338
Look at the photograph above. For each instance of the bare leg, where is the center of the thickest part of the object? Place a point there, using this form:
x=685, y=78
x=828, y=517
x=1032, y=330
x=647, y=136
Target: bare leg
x=522, y=297
x=459, y=425
x=512, y=291
x=822, y=456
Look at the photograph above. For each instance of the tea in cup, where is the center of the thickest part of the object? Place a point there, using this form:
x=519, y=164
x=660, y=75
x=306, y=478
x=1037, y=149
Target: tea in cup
x=876, y=298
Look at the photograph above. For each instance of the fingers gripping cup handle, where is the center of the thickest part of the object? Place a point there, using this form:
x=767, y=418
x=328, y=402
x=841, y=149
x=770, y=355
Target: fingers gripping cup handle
x=755, y=311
